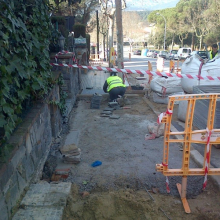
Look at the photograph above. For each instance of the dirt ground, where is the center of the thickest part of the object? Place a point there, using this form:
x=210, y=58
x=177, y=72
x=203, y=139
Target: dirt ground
x=126, y=185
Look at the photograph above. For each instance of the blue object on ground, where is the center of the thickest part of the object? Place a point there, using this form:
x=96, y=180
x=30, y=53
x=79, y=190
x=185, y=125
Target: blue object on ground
x=96, y=163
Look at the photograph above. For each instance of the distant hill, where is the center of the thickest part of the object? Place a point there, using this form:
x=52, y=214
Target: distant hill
x=149, y=5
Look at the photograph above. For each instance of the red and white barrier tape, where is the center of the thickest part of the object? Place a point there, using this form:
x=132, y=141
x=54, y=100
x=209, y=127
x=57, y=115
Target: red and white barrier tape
x=150, y=73
x=160, y=116
x=159, y=119
x=167, y=185
x=167, y=181
x=207, y=157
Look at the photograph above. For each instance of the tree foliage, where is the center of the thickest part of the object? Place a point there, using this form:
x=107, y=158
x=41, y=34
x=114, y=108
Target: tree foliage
x=81, y=9
x=25, y=31
x=199, y=18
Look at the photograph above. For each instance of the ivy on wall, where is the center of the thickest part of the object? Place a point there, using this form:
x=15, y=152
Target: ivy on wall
x=25, y=72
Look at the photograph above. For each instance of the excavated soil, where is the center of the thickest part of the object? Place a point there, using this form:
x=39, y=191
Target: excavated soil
x=139, y=204
x=126, y=186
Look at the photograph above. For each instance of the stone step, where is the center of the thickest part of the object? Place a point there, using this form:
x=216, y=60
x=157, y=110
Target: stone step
x=44, y=201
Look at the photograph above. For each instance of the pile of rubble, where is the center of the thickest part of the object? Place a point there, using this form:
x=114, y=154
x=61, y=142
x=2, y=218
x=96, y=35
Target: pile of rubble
x=71, y=154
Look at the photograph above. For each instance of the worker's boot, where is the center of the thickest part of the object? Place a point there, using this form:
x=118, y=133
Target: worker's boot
x=113, y=104
x=121, y=101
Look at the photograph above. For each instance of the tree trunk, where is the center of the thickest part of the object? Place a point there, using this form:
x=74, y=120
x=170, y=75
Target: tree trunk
x=97, y=22
x=104, y=46
x=200, y=42
x=172, y=42
x=119, y=34
x=107, y=48
x=110, y=32
x=193, y=44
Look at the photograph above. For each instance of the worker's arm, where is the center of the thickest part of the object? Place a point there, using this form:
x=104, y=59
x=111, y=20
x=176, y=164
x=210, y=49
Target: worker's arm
x=105, y=86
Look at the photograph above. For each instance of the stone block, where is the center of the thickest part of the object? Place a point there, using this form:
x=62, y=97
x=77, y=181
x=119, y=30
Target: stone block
x=33, y=136
x=22, y=183
x=39, y=130
x=11, y=192
x=47, y=136
x=27, y=123
x=21, y=170
x=56, y=121
x=20, y=153
x=45, y=194
x=72, y=137
x=5, y=174
x=16, y=139
x=37, y=154
x=39, y=213
x=28, y=143
x=28, y=166
x=3, y=208
x=38, y=150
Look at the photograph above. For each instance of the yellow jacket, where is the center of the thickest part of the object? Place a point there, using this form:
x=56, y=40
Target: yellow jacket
x=114, y=81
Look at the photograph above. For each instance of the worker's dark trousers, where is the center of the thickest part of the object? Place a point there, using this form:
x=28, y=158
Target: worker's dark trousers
x=115, y=92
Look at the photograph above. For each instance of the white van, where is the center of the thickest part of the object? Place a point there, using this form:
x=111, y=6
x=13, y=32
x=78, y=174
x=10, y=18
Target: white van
x=183, y=53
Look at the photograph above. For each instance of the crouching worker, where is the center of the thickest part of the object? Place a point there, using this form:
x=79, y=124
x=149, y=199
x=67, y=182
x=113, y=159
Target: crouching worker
x=115, y=87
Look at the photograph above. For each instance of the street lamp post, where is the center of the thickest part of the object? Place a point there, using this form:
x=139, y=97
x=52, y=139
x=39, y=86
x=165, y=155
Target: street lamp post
x=164, y=43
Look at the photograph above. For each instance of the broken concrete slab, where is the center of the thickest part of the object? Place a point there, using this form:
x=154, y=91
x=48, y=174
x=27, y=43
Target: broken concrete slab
x=68, y=149
x=72, y=138
x=106, y=112
x=113, y=104
x=114, y=116
x=44, y=201
x=74, y=159
x=104, y=115
x=40, y=213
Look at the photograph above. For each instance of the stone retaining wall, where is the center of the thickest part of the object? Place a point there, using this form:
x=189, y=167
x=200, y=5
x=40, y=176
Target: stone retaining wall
x=31, y=142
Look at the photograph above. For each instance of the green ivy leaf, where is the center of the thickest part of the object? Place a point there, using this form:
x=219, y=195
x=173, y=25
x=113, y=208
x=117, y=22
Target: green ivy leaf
x=22, y=94
x=3, y=102
x=2, y=122
x=7, y=109
x=35, y=86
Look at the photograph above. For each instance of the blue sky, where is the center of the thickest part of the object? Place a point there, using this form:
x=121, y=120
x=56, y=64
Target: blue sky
x=138, y=5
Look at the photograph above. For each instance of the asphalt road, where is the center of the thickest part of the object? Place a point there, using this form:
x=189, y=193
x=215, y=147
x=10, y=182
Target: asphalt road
x=138, y=62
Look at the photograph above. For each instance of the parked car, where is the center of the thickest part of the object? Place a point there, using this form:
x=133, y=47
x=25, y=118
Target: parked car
x=202, y=54
x=183, y=53
x=154, y=55
x=137, y=52
x=150, y=53
x=173, y=55
x=163, y=54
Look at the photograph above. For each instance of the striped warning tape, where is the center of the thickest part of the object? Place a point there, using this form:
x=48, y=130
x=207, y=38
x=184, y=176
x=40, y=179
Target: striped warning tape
x=148, y=72
x=207, y=159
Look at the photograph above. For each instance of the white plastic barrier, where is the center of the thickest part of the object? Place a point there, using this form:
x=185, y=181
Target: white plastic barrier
x=191, y=66
x=182, y=110
x=166, y=85
x=163, y=99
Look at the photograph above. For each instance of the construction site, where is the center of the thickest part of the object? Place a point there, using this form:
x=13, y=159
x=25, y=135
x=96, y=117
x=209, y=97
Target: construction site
x=110, y=157
x=89, y=131
x=117, y=163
